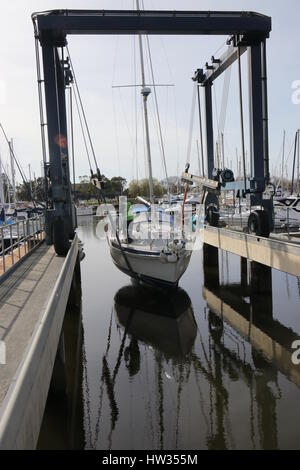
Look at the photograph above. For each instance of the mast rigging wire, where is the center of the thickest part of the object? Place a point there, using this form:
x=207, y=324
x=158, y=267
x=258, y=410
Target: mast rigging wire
x=23, y=176
x=294, y=161
x=242, y=117
x=82, y=130
x=135, y=109
x=133, y=274
x=158, y=116
x=188, y=158
x=82, y=110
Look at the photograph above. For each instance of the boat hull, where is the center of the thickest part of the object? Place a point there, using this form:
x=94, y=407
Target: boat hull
x=85, y=210
x=149, y=266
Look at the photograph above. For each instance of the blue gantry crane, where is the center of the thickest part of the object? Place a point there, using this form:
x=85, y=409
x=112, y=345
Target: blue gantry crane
x=246, y=30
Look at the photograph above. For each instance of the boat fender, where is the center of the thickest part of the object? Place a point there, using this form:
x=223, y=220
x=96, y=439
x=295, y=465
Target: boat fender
x=163, y=257
x=172, y=258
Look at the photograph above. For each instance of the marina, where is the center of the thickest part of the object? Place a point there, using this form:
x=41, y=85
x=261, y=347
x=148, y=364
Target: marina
x=139, y=313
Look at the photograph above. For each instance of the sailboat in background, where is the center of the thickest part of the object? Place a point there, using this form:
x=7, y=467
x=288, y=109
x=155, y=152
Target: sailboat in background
x=2, y=211
x=6, y=210
x=153, y=259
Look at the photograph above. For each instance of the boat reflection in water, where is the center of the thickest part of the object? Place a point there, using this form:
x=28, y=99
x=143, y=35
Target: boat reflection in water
x=153, y=316
x=156, y=329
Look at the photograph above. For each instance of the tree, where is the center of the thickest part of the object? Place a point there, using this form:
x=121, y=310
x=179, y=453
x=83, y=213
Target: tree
x=118, y=184
x=84, y=179
x=38, y=190
x=141, y=188
x=111, y=187
x=157, y=188
x=133, y=189
x=84, y=190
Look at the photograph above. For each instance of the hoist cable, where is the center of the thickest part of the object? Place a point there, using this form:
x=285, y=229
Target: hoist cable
x=242, y=117
x=188, y=157
x=223, y=110
x=133, y=274
x=40, y=94
x=72, y=136
x=82, y=110
x=200, y=129
x=217, y=163
x=82, y=130
x=224, y=102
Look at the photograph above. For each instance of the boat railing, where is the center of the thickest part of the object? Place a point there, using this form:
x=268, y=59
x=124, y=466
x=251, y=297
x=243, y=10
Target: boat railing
x=286, y=219
x=19, y=238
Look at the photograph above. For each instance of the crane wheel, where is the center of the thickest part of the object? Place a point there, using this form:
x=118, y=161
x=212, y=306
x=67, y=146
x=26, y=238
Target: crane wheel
x=60, y=238
x=212, y=215
x=258, y=223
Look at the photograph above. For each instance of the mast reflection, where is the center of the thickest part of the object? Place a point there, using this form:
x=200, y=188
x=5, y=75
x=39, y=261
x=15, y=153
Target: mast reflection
x=162, y=322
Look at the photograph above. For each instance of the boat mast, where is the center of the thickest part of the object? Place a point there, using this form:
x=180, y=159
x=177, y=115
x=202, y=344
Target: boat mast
x=145, y=93
x=1, y=184
x=282, y=162
x=298, y=175
x=12, y=169
x=8, y=184
x=30, y=181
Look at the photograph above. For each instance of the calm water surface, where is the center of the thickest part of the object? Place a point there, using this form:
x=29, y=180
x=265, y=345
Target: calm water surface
x=205, y=367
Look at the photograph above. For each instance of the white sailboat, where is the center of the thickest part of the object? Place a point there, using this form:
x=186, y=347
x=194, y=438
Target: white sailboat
x=155, y=259
x=162, y=265
x=2, y=213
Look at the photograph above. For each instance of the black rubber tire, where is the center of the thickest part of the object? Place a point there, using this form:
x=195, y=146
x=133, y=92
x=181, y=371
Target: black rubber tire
x=258, y=223
x=212, y=216
x=215, y=325
x=60, y=238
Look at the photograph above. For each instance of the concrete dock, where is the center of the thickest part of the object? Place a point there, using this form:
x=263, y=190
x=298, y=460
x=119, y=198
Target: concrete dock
x=277, y=254
x=32, y=308
x=273, y=343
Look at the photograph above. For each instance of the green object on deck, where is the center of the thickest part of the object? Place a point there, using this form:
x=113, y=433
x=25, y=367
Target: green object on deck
x=129, y=212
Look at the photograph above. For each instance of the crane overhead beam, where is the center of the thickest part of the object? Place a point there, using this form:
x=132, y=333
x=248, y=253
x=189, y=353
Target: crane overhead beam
x=63, y=22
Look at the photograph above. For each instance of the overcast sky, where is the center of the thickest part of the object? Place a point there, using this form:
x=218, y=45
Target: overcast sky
x=103, y=61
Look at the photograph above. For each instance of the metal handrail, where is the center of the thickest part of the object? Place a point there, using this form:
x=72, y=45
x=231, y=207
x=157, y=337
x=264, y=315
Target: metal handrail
x=285, y=222
x=288, y=222
x=18, y=239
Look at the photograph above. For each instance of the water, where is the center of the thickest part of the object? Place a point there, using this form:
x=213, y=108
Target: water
x=206, y=367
